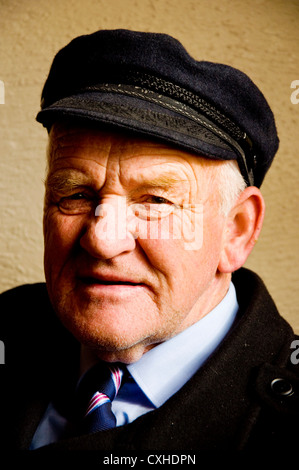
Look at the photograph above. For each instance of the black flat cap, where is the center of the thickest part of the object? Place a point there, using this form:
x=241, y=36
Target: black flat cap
x=147, y=83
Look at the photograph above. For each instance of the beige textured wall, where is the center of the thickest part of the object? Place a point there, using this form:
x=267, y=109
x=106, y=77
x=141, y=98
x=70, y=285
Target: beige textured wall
x=260, y=37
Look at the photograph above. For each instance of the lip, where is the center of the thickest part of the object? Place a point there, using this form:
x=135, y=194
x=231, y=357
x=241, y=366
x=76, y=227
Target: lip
x=96, y=279
x=110, y=289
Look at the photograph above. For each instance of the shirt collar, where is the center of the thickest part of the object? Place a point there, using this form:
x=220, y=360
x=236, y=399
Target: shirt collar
x=163, y=370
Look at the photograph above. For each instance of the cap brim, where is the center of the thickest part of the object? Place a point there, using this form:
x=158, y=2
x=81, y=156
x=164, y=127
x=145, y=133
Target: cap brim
x=141, y=117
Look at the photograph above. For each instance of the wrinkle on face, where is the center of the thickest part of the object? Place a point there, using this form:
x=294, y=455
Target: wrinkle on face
x=117, y=163
x=181, y=286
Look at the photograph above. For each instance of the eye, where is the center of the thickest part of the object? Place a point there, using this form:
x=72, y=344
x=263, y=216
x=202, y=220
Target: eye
x=78, y=203
x=152, y=208
x=157, y=200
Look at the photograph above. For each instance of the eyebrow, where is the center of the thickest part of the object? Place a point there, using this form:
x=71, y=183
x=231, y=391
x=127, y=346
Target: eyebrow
x=164, y=182
x=69, y=179
x=66, y=180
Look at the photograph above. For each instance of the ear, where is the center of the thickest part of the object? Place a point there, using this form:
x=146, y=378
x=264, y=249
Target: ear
x=242, y=229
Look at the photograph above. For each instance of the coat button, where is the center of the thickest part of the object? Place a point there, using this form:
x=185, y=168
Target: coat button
x=282, y=387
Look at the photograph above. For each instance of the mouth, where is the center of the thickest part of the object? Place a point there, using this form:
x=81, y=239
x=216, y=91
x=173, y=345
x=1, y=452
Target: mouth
x=112, y=288
x=93, y=279
x=105, y=282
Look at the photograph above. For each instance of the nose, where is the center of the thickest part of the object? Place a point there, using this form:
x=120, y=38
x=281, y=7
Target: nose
x=107, y=233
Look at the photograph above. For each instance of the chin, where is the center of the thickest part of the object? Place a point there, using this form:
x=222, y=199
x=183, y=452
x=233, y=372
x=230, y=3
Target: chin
x=125, y=356
x=113, y=348
x=109, y=341
x=112, y=332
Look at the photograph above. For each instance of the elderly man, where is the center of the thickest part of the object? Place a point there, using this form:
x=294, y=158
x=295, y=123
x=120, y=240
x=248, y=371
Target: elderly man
x=149, y=335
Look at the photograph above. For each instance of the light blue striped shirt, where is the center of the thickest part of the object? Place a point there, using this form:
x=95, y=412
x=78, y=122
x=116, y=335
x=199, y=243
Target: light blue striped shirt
x=160, y=373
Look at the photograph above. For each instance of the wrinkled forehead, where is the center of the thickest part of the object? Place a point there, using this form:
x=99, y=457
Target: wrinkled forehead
x=133, y=156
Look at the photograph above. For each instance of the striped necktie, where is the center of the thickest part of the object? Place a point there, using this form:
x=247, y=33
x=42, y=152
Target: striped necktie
x=96, y=391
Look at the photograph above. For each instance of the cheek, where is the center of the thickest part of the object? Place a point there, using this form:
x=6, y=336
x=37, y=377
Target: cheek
x=189, y=243
x=61, y=234
x=174, y=266
x=192, y=260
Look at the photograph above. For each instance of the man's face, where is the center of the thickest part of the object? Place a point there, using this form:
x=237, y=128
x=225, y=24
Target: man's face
x=119, y=212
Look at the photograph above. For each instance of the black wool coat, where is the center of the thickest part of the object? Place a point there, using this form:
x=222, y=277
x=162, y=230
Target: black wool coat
x=244, y=399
